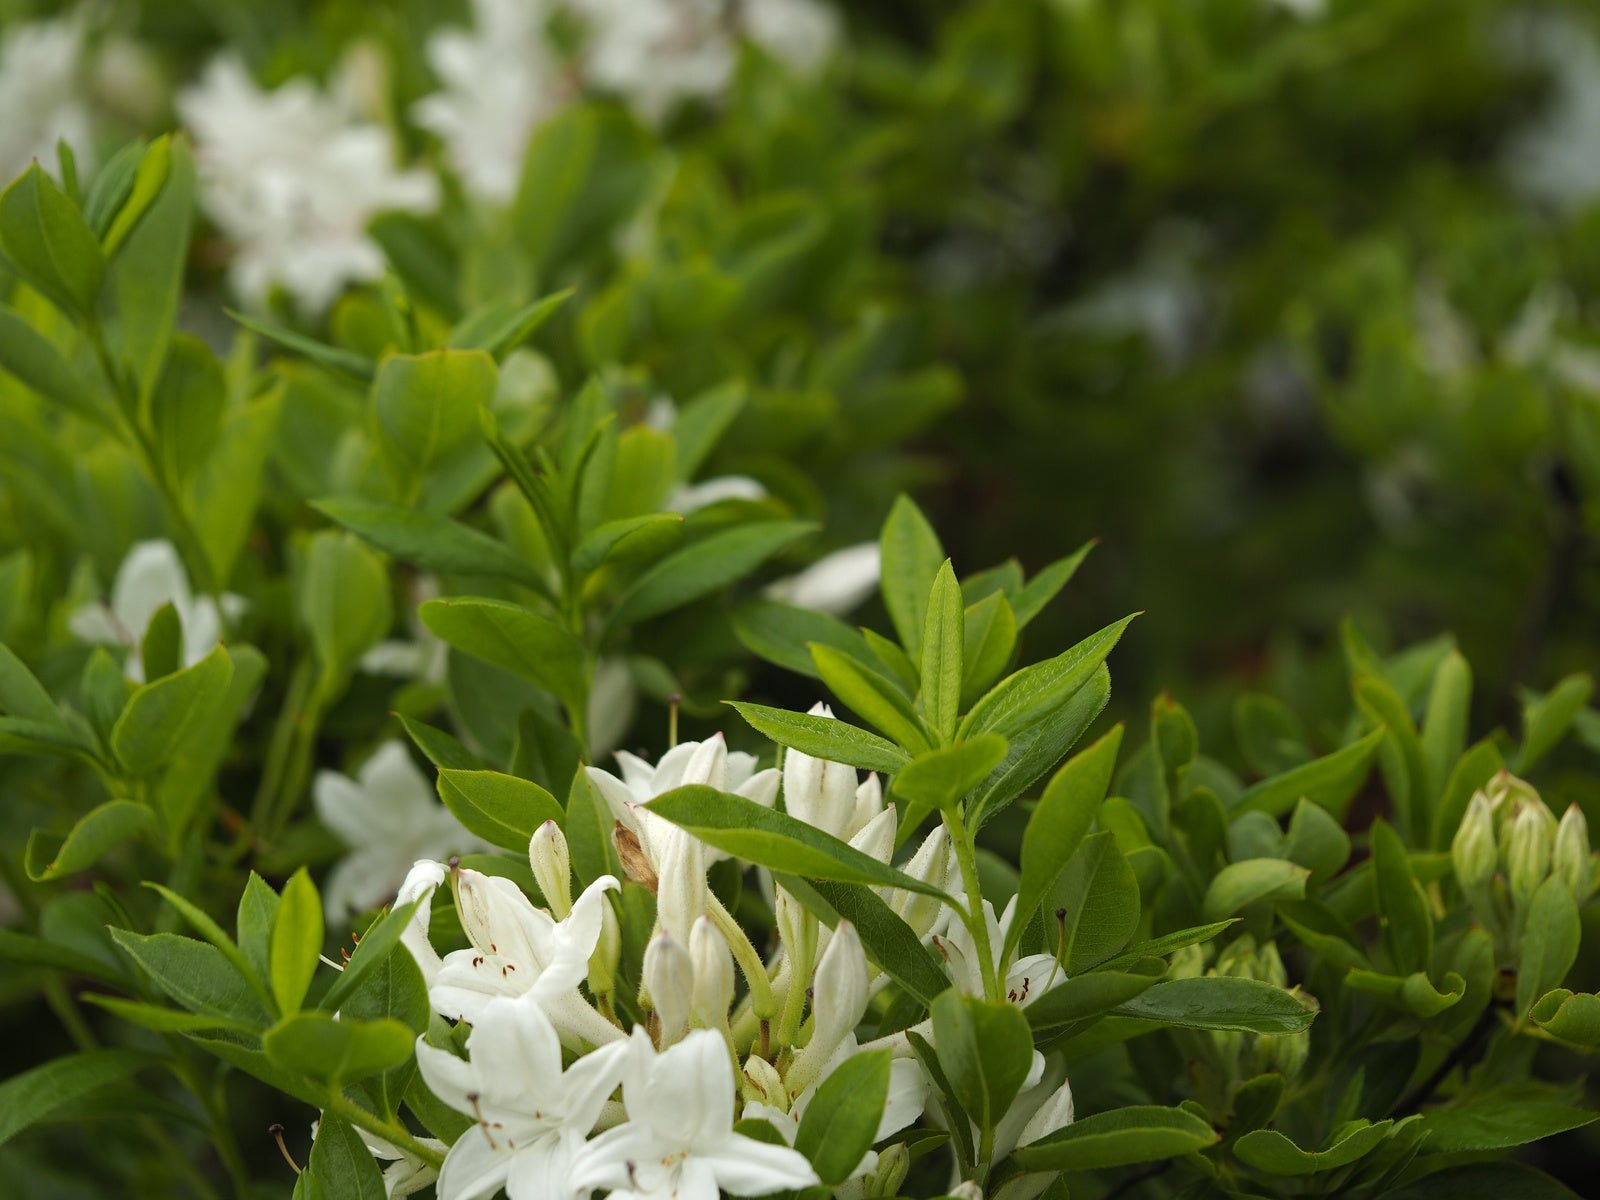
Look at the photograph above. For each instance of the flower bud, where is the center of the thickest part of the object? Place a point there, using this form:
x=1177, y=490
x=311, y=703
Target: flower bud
x=869, y=803
x=966, y=1191
x=1571, y=854
x=1473, y=851
x=761, y=1084
x=713, y=973
x=1269, y=966
x=894, y=1164
x=819, y=792
x=635, y=862
x=931, y=864
x=1055, y=1113
x=552, y=867
x=607, y=953
x=708, y=764
x=669, y=978
x=797, y=929
x=682, y=896
x=1187, y=963
x=1284, y=1053
x=1529, y=845
x=838, y=1002
x=876, y=838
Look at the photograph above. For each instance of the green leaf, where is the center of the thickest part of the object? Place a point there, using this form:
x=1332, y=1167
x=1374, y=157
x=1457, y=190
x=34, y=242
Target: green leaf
x=823, y=737
x=500, y=329
x=1243, y=883
x=1475, y=768
x=701, y=423
x=1270, y=1151
x=296, y=941
x=943, y=636
x=1044, y=586
x=841, y=1122
x=990, y=638
x=1550, y=945
x=161, y=651
x=776, y=840
x=344, y=598
x=1407, y=923
x=33, y=1095
x=196, y=975
x=1223, y=1002
x=426, y=407
x=92, y=837
x=1167, y=943
x=1572, y=1017
x=162, y=1020
x=21, y=694
x=344, y=362
x=1545, y=721
x=1270, y=734
x=1329, y=782
x=1099, y=896
x=891, y=944
x=783, y=634
x=1485, y=1181
x=1316, y=841
x=39, y=365
x=872, y=695
x=955, y=1118
x=160, y=715
x=1118, y=1138
x=318, y=1046
x=501, y=809
x=588, y=827
x=47, y=238
x=440, y=748
x=628, y=539
x=26, y=950
x=1084, y=996
x=939, y=778
x=911, y=559
x=372, y=950
x=1021, y=700
x=1040, y=747
x=986, y=1049
x=340, y=1167
x=432, y=542
x=1060, y=821
x=702, y=567
x=1492, y=1122
x=113, y=186
x=258, y=907
x=1400, y=757
x=516, y=639
x=1444, y=727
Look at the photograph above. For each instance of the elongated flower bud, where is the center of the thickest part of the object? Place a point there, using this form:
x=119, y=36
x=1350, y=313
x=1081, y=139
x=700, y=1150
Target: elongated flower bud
x=1571, y=855
x=838, y=1002
x=762, y=1084
x=876, y=837
x=930, y=865
x=552, y=867
x=708, y=765
x=797, y=929
x=1473, y=851
x=669, y=978
x=966, y=1191
x=1055, y=1113
x=1531, y=841
x=869, y=803
x=713, y=973
x=607, y=953
x=894, y=1164
x=819, y=792
x=681, y=895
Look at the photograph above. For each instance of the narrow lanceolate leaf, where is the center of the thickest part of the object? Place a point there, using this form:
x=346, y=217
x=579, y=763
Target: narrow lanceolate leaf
x=1016, y=702
x=783, y=634
x=1086, y=996
x=430, y=541
x=911, y=558
x=26, y=353
x=375, y=945
x=701, y=568
x=96, y=833
x=1039, y=748
x=841, y=1123
x=872, y=695
x=776, y=840
x=822, y=737
x=33, y=1095
x=1330, y=781
x=1444, y=727
x=943, y=637
x=1223, y=1002
x=500, y=329
x=891, y=944
x=1551, y=943
x=502, y=809
x=1118, y=1138
x=1407, y=921
x=296, y=941
x=345, y=362
x=516, y=639
x=196, y=975
x=160, y=715
x=1545, y=721
x=1059, y=823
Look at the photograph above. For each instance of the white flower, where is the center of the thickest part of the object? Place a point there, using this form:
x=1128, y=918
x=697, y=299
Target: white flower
x=800, y=33
x=531, y=1116
x=678, y=1142
x=389, y=817
x=501, y=78
x=688, y=497
x=424, y=657
x=406, y=1174
x=827, y=795
x=517, y=948
x=292, y=177
x=657, y=53
x=42, y=94
x=150, y=578
x=1026, y=978
x=835, y=583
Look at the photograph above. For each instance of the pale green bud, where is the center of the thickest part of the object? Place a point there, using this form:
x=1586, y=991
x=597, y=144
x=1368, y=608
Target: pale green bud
x=1473, y=852
x=1529, y=845
x=838, y=1002
x=552, y=868
x=1571, y=855
x=607, y=953
x=713, y=973
x=1188, y=963
x=894, y=1164
x=966, y=1191
x=669, y=978
x=761, y=1084
x=1269, y=966
x=1284, y=1053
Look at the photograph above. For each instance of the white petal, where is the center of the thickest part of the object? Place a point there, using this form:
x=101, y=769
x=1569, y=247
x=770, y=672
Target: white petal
x=747, y=1167
x=474, y=1168
x=151, y=576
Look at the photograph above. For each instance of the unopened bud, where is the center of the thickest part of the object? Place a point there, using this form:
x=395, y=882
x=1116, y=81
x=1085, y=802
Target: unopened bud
x=1269, y=966
x=798, y=931
x=838, y=1002
x=1571, y=855
x=931, y=864
x=1187, y=963
x=669, y=978
x=869, y=803
x=1473, y=851
x=708, y=764
x=1284, y=1053
x=1530, y=843
x=762, y=1084
x=876, y=838
x=1055, y=1113
x=607, y=953
x=552, y=867
x=713, y=973
x=894, y=1164
x=682, y=895
x=966, y=1191
x=819, y=792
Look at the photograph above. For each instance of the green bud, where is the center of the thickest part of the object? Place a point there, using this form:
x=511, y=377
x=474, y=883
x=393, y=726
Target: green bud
x=1269, y=966
x=1284, y=1053
x=1573, y=862
x=1528, y=849
x=893, y=1166
x=1188, y=963
x=1473, y=851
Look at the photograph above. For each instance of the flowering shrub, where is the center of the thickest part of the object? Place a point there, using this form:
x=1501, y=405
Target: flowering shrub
x=437, y=739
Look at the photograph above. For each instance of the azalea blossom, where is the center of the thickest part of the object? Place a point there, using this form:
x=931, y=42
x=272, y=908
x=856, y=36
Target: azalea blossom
x=828, y=795
x=501, y=79
x=802, y=34
x=531, y=1117
x=678, y=1142
x=835, y=583
x=389, y=816
x=657, y=54
x=42, y=67
x=292, y=177
x=406, y=1174
x=150, y=578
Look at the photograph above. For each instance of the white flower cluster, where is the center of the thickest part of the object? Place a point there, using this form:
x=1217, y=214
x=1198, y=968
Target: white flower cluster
x=565, y=1101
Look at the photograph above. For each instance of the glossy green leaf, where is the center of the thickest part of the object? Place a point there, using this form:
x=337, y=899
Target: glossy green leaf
x=841, y=1122
x=161, y=715
x=33, y=1095
x=1329, y=782
x=340, y=1167
x=46, y=236
x=911, y=559
x=501, y=809
x=296, y=941
x=96, y=833
x=871, y=695
x=1407, y=921
x=1243, y=883
x=1041, y=746
x=1223, y=1002
x=986, y=1049
x=432, y=542
x=824, y=737
x=344, y=598
x=943, y=637
x=938, y=779
x=1491, y=1122
x=1545, y=721
x=890, y=944
x=1270, y=1151
x=702, y=567
x=628, y=539
x=196, y=975
x=1098, y=898
x=516, y=639
x=1550, y=944
x=1444, y=725
x=1020, y=700
x=316, y=1045
x=29, y=356
x=1118, y=1138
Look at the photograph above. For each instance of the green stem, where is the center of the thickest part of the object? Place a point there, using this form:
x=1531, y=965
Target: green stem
x=755, y=971
x=392, y=1132
x=973, y=915
x=794, y=999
